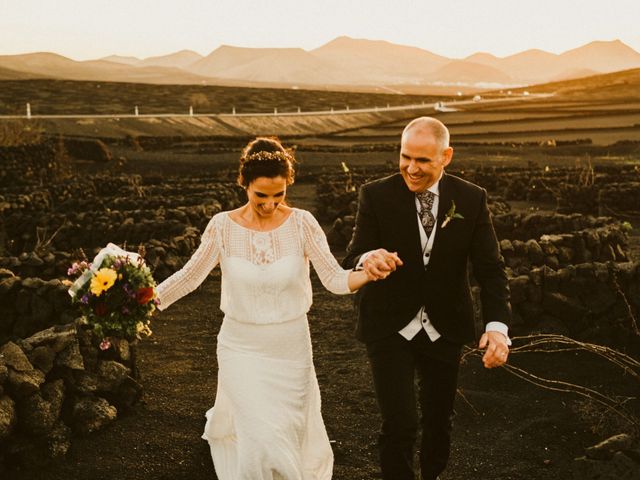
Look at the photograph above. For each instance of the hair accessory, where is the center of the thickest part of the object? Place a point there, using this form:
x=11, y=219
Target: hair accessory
x=264, y=155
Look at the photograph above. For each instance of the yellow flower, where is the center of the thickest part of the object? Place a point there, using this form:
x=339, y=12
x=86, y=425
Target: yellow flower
x=103, y=280
x=143, y=329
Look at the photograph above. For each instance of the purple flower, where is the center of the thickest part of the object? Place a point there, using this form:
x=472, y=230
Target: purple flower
x=77, y=268
x=85, y=299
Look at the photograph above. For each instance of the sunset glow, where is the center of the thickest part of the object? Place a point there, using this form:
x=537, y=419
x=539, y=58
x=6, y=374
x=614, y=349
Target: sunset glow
x=93, y=29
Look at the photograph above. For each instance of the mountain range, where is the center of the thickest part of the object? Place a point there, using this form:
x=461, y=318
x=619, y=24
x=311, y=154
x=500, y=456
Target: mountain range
x=342, y=63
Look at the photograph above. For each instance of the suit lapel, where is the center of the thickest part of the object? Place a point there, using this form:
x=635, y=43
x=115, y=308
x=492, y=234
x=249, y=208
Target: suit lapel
x=406, y=214
x=444, y=204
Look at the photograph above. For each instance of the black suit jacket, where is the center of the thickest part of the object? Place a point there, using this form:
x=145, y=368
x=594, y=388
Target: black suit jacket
x=387, y=219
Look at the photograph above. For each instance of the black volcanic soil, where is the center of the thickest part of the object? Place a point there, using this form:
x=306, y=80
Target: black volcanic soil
x=505, y=429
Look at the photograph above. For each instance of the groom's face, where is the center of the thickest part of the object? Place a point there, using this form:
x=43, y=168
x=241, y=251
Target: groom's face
x=422, y=159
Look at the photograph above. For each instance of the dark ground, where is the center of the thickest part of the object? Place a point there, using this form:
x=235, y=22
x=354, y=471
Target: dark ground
x=505, y=429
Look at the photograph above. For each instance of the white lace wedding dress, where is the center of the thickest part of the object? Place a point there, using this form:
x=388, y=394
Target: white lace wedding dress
x=266, y=421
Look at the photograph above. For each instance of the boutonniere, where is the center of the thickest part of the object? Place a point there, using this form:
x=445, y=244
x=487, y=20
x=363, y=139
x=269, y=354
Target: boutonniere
x=451, y=214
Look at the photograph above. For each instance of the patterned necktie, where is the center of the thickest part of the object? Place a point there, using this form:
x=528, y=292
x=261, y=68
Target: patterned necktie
x=426, y=216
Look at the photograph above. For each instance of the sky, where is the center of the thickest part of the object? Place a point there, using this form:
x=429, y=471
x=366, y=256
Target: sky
x=90, y=29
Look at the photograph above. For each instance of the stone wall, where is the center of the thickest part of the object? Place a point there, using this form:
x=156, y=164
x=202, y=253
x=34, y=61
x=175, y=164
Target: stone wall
x=600, y=244
x=595, y=302
x=81, y=222
x=164, y=257
x=594, y=190
x=31, y=304
x=56, y=385
x=87, y=149
x=523, y=226
x=23, y=165
x=620, y=197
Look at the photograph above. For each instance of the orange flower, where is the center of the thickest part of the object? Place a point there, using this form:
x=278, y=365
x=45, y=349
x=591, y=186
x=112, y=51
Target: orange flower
x=144, y=295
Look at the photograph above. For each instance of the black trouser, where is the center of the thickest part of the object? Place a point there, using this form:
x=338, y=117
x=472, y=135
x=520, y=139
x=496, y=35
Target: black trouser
x=394, y=361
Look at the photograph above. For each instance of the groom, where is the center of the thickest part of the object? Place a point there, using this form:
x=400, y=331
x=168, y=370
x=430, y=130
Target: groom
x=429, y=225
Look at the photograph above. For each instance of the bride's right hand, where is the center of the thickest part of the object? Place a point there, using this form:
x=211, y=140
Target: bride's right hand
x=380, y=264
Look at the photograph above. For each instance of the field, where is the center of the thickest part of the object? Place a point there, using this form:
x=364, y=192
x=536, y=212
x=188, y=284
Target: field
x=532, y=153
x=49, y=97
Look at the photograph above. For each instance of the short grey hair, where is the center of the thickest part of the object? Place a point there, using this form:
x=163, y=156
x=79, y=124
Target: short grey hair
x=432, y=125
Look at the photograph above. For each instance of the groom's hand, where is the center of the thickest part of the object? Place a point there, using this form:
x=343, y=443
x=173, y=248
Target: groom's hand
x=380, y=263
x=497, y=349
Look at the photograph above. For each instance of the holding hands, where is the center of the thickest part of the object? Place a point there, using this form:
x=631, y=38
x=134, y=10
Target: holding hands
x=374, y=265
x=379, y=264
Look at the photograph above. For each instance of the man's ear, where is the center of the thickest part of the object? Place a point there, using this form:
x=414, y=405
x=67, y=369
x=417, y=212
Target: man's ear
x=447, y=156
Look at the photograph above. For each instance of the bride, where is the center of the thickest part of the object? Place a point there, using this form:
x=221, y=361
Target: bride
x=266, y=421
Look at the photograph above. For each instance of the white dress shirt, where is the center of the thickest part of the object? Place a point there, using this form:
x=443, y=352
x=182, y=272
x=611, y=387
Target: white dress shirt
x=421, y=320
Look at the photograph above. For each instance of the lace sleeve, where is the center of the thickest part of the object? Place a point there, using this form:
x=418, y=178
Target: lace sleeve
x=187, y=279
x=333, y=277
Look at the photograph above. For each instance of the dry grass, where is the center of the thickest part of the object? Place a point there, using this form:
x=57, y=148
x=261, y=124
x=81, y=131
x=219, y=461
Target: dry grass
x=23, y=132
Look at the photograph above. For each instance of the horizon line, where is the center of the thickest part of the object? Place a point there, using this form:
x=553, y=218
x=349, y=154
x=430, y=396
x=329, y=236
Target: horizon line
x=618, y=40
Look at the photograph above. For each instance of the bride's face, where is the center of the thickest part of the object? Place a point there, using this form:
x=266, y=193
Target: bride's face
x=266, y=194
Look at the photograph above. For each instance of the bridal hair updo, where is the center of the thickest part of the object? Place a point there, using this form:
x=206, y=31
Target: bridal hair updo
x=265, y=157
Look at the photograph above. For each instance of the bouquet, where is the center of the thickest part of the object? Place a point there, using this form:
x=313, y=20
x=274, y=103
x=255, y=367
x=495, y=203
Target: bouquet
x=115, y=294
